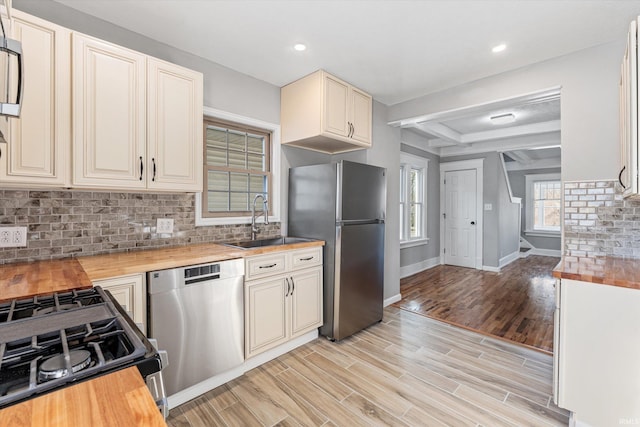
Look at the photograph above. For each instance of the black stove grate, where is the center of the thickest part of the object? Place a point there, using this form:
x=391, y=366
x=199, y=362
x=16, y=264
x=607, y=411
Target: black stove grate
x=85, y=320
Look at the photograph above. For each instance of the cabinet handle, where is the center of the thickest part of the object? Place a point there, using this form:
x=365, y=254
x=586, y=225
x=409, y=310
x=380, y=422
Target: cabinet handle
x=153, y=161
x=293, y=286
x=288, y=287
x=620, y=177
x=350, y=130
x=309, y=258
x=268, y=265
x=141, y=168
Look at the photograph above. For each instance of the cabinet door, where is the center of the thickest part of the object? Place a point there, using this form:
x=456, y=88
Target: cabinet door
x=38, y=151
x=175, y=127
x=336, y=106
x=265, y=315
x=361, y=112
x=628, y=113
x=306, y=300
x=109, y=117
x=131, y=294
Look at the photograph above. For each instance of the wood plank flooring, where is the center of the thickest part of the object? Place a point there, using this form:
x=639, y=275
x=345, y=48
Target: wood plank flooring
x=408, y=370
x=516, y=304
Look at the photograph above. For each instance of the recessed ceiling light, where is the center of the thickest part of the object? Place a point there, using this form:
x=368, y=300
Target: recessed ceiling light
x=300, y=47
x=499, y=48
x=503, y=119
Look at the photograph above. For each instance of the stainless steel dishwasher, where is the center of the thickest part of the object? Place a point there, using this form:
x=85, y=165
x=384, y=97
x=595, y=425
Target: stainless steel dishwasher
x=196, y=314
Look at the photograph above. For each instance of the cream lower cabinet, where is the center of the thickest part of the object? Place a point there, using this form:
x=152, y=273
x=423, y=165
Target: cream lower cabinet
x=131, y=293
x=38, y=149
x=283, y=297
x=597, y=352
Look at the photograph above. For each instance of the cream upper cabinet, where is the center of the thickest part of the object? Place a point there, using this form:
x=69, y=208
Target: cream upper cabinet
x=323, y=113
x=628, y=105
x=174, y=100
x=38, y=142
x=109, y=115
x=283, y=297
x=137, y=120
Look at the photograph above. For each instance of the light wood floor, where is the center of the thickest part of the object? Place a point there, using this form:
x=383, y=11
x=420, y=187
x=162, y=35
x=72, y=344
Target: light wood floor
x=408, y=370
x=516, y=304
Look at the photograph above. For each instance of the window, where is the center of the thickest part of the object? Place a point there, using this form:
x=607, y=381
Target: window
x=544, y=198
x=413, y=189
x=241, y=156
x=237, y=168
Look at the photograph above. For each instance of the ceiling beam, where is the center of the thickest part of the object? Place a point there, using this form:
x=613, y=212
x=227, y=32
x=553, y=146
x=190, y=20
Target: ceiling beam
x=441, y=131
x=512, y=131
x=519, y=156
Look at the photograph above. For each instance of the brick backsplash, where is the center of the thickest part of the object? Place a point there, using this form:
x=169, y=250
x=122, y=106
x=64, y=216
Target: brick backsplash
x=76, y=223
x=598, y=221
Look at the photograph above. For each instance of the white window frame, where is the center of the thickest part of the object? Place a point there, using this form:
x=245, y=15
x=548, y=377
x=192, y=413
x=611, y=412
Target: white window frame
x=276, y=190
x=530, y=180
x=410, y=161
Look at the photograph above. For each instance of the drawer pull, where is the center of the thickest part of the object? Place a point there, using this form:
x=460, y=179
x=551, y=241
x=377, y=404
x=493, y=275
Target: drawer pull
x=268, y=265
x=309, y=258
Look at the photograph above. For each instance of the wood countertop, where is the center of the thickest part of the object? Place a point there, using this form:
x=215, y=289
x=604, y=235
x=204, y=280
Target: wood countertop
x=613, y=271
x=41, y=277
x=119, y=264
x=120, y=399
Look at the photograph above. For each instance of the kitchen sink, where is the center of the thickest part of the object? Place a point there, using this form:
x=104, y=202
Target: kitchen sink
x=275, y=241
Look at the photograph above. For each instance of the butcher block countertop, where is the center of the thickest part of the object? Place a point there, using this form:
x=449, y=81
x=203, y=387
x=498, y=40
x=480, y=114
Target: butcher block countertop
x=119, y=264
x=41, y=277
x=119, y=399
x=623, y=272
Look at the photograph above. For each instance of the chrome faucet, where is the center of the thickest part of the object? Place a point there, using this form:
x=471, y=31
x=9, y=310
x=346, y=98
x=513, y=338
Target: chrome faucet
x=265, y=210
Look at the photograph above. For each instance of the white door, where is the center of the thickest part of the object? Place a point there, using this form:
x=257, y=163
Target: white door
x=460, y=218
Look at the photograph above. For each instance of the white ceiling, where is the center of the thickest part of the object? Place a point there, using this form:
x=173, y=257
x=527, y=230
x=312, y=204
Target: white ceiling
x=396, y=50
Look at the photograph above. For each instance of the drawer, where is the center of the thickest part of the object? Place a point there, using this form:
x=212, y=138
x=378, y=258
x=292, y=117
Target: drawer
x=265, y=265
x=305, y=258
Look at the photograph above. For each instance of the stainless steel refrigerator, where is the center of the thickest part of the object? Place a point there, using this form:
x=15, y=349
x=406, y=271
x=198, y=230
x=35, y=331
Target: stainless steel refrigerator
x=344, y=204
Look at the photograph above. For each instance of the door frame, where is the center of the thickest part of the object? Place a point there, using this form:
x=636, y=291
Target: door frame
x=478, y=166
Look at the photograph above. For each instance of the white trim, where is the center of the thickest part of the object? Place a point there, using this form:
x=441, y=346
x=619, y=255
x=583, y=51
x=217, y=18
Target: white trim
x=421, y=163
x=411, y=269
x=413, y=243
x=542, y=233
x=508, y=259
x=249, y=364
x=491, y=269
x=276, y=173
x=546, y=252
x=397, y=297
x=478, y=165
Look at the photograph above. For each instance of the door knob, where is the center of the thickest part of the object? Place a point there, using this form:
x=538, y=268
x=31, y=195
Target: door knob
x=473, y=223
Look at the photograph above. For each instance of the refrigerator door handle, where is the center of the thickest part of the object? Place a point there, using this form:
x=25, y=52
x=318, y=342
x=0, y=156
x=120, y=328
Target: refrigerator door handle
x=360, y=221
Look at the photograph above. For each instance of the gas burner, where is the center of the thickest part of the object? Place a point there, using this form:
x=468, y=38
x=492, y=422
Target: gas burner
x=56, y=367
x=53, y=309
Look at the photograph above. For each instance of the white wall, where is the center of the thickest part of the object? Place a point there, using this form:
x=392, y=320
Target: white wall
x=589, y=105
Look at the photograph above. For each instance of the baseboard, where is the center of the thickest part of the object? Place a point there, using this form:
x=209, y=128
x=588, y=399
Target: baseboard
x=506, y=260
x=392, y=299
x=411, y=269
x=196, y=390
x=491, y=269
x=546, y=252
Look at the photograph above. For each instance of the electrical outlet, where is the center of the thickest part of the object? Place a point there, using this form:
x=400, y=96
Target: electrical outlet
x=13, y=237
x=164, y=226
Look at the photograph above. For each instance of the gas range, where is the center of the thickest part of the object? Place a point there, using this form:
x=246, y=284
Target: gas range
x=48, y=342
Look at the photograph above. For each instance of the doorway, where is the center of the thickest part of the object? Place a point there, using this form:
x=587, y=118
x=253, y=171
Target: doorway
x=461, y=220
